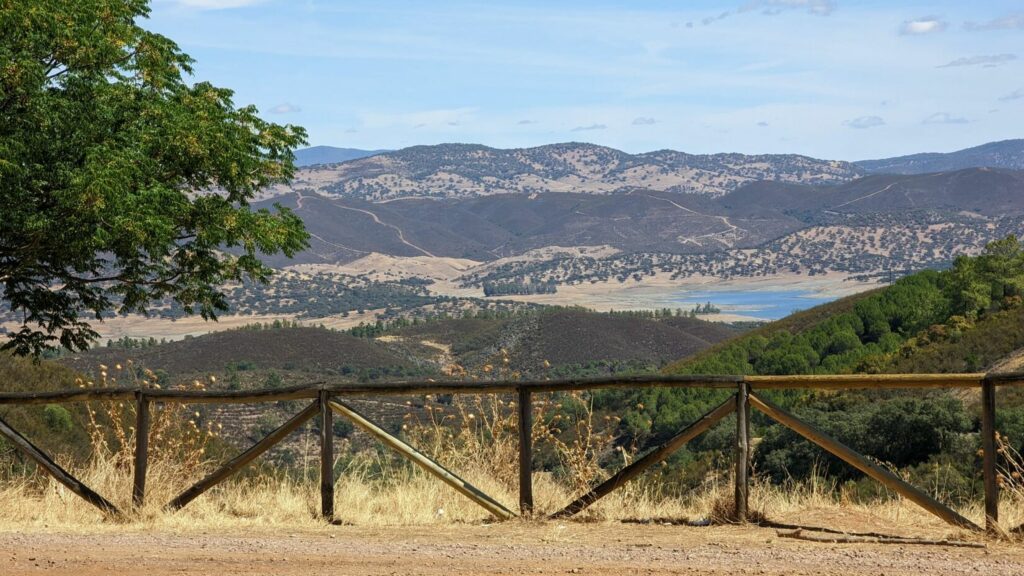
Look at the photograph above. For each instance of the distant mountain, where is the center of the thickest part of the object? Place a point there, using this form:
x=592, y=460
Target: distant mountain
x=330, y=155
x=1005, y=154
x=635, y=220
x=470, y=170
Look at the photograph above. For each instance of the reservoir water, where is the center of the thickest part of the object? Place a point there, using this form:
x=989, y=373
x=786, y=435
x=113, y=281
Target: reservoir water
x=762, y=304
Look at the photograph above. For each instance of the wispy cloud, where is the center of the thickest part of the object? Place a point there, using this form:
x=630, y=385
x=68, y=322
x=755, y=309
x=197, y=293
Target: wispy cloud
x=987, y=60
x=644, y=121
x=1009, y=22
x=944, y=118
x=590, y=127
x=217, y=4
x=525, y=122
x=1015, y=95
x=864, y=122
x=285, y=108
x=712, y=19
x=772, y=7
x=762, y=124
x=920, y=26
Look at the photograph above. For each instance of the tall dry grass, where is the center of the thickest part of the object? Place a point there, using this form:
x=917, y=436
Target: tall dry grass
x=475, y=436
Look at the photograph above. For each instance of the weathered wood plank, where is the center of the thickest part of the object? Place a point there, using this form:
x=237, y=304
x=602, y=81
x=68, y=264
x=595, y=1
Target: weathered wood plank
x=421, y=460
x=651, y=458
x=512, y=386
x=988, y=446
x=53, y=469
x=141, y=450
x=861, y=381
x=240, y=461
x=67, y=396
x=310, y=391
x=861, y=463
x=300, y=392
x=525, y=409
x=741, y=496
x=326, y=457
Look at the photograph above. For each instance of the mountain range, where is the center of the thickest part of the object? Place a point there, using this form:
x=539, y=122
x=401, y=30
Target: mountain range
x=471, y=170
x=1004, y=154
x=330, y=155
x=637, y=220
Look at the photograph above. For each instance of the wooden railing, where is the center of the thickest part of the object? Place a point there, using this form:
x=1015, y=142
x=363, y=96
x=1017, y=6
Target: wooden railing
x=328, y=400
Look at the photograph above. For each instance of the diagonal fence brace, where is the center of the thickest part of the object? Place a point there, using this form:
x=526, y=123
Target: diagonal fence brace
x=59, y=474
x=423, y=461
x=240, y=461
x=861, y=463
x=653, y=457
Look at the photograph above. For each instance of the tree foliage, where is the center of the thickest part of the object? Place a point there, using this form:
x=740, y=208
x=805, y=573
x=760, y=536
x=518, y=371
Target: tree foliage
x=920, y=323
x=120, y=181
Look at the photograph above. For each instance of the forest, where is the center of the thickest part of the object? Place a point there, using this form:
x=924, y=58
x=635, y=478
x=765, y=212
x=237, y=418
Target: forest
x=926, y=433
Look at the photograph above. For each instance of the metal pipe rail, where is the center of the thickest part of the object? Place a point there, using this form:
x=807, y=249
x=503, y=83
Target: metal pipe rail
x=326, y=404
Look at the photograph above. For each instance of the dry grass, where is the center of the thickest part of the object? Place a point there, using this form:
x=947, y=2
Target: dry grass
x=474, y=436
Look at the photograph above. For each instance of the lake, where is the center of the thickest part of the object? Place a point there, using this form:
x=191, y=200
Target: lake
x=763, y=304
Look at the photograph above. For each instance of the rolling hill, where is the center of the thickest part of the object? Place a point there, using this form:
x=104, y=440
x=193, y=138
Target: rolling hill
x=556, y=336
x=312, y=351
x=639, y=342
x=470, y=170
x=866, y=226
x=329, y=155
x=1008, y=154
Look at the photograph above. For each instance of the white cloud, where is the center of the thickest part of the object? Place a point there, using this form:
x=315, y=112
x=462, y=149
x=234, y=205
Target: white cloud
x=864, y=122
x=1015, y=95
x=944, y=118
x=217, y=4
x=986, y=61
x=1009, y=22
x=919, y=26
x=285, y=108
x=644, y=121
x=590, y=127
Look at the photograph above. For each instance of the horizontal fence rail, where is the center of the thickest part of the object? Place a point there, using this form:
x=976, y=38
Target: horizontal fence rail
x=326, y=403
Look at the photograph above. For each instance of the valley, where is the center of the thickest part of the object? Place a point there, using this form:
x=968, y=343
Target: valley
x=446, y=229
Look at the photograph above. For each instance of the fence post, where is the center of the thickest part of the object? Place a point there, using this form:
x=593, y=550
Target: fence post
x=141, y=448
x=988, y=446
x=326, y=457
x=742, y=451
x=525, y=452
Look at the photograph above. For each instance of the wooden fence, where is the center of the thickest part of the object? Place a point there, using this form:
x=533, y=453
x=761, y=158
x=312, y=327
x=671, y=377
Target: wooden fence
x=328, y=400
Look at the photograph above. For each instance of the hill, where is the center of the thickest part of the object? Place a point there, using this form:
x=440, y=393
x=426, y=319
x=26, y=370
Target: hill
x=315, y=155
x=1007, y=154
x=898, y=328
x=967, y=318
x=642, y=221
x=470, y=170
x=548, y=342
x=300, y=350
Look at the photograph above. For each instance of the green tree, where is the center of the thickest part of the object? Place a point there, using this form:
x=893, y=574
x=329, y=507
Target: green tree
x=121, y=182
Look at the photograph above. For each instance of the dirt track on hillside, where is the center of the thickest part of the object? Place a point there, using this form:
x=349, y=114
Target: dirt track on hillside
x=514, y=548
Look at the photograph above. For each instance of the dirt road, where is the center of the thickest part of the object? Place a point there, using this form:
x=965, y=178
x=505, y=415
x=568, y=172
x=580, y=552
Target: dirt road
x=513, y=548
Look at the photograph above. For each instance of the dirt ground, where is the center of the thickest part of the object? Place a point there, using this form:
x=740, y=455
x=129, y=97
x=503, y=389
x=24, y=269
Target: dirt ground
x=511, y=548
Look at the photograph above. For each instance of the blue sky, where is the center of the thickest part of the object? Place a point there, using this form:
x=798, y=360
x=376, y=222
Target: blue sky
x=826, y=78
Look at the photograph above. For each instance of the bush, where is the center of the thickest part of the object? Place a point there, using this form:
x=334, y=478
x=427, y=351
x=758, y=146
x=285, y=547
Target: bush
x=57, y=418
